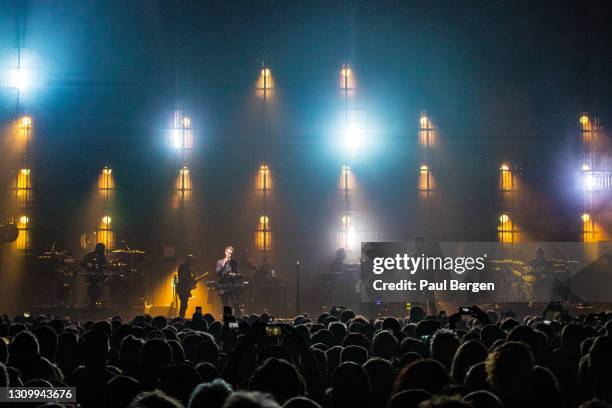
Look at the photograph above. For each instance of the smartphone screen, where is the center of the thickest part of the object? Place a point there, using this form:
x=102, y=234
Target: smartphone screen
x=273, y=331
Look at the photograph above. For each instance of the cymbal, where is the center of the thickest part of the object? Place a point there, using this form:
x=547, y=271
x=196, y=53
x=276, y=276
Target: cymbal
x=55, y=253
x=129, y=252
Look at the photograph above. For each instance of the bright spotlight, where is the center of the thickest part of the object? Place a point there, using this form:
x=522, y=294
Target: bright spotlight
x=25, y=172
x=352, y=138
x=19, y=79
x=586, y=217
x=107, y=171
x=424, y=121
x=351, y=238
x=586, y=167
x=504, y=218
x=24, y=220
x=589, y=182
x=25, y=122
x=177, y=140
x=346, y=220
x=504, y=167
x=106, y=220
x=584, y=119
x=185, y=170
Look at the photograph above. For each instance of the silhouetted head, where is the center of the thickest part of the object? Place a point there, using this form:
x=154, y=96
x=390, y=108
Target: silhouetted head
x=301, y=402
x=47, y=339
x=351, y=386
x=178, y=381
x=483, y=399
x=210, y=394
x=444, y=402
x=468, y=354
x=444, y=344
x=250, y=400
x=100, y=248
x=279, y=378
x=510, y=369
x=23, y=351
x=409, y=399
x=155, y=399
x=385, y=345
x=207, y=372
x=381, y=376
x=93, y=349
x=120, y=391
x=427, y=374
x=190, y=259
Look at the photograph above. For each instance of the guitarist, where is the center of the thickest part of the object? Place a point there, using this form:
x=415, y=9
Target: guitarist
x=185, y=283
x=228, y=274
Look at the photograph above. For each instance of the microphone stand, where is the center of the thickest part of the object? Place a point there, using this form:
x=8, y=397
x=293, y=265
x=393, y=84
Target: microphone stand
x=297, y=291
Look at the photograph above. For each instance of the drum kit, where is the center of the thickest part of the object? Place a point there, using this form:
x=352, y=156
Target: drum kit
x=120, y=282
x=520, y=281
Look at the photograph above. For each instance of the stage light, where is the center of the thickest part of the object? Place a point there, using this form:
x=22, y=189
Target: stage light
x=584, y=119
x=25, y=172
x=263, y=236
x=586, y=167
x=424, y=121
x=25, y=122
x=180, y=133
x=177, y=140
x=19, y=79
x=352, y=138
x=586, y=217
x=347, y=80
x=265, y=83
x=346, y=220
x=263, y=220
x=427, y=133
x=426, y=181
x=589, y=181
x=506, y=180
x=351, y=238
x=263, y=180
x=346, y=179
x=107, y=171
x=504, y=218
x=184, y=170
x=106, y=220
x=23, y=220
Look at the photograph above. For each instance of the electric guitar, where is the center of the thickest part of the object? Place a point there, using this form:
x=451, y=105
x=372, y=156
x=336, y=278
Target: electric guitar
x=194, y=283
x=184, y=287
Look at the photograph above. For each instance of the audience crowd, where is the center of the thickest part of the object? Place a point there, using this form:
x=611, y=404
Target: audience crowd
x=339, y=359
